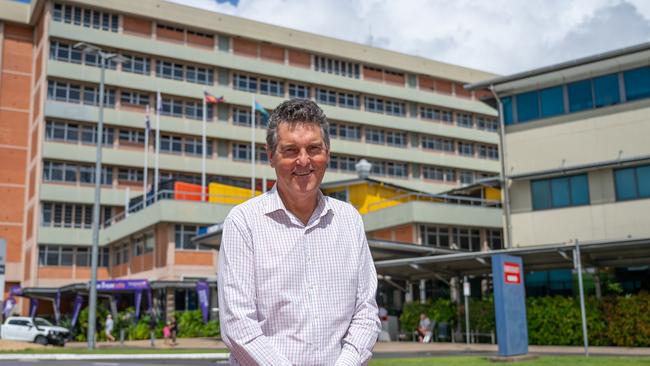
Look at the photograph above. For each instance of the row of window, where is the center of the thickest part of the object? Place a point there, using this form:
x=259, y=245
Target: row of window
x=71, y=215
x=183, y=235
x=75, y=93
x=76, y=15
x=460, y=238
x=630, y=183
x=134, y=246
x=462, y=119
x=598, y=92
x=60, y=255
x=85, y=174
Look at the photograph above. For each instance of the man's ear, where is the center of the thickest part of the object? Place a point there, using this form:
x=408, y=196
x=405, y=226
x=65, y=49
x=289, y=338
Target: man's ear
x=269, y=153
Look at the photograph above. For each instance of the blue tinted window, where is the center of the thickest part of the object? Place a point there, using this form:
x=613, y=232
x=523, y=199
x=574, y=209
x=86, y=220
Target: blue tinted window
x=506, y=105
x=579, y=190
x=527, y=106
x=637, y=83
x=541, y=192
x=580, y=96
x=560, y=192
x=643, y=181
x=625, y=184
x=552, y=101
x=606, y=90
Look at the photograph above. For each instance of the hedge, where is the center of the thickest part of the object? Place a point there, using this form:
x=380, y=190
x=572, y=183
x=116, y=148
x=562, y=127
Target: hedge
x=554, y=320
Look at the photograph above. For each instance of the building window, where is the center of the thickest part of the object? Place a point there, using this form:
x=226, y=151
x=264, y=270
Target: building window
x=378, y=105
x=395, y=138
x=132, y=136
x=130, y=175
x=465, y=148
x=345, y=131
x=183, y=238
x=560, y=192
x=552, y=101
x=337, y=67
x=436, y=114
x=241, y=152
x=136, y=64
x=466, y=239
x=325, y=96
x=76, y=15
x=465, y=120
x=169, y=70
x=507, y=111
x=134, y=98
x=272, y=87
x=606, y=91
x=375, y=136
x=396, y=169
x=342, y=163
x=435, y=236
x=54, y=214
x=466, y=177
x=172, y=144
x=245, y=83
x=436, y=143
x=632, y=183
x=637, y=83
x=487, y=124
x=488, y=152
x=433, y=173
x=580, y=95
x=299, y=91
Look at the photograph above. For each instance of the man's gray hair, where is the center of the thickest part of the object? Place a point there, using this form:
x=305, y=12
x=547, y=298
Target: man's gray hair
x=293, y=112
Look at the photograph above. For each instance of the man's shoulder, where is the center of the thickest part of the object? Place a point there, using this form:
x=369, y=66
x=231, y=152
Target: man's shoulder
x=249, y=207
x=343, y=208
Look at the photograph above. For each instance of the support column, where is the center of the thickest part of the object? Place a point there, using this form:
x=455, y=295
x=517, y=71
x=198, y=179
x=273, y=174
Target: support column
x=423, y=292
x=408, y=296
x=597, y=284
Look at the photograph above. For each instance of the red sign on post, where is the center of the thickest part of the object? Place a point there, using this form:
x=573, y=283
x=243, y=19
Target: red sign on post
x=512, y=273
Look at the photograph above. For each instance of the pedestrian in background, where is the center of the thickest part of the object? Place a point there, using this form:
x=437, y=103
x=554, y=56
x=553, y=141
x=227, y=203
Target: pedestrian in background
x=108, y=328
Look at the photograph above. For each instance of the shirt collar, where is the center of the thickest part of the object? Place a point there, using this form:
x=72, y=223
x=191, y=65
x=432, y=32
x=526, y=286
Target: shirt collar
x=274, y=203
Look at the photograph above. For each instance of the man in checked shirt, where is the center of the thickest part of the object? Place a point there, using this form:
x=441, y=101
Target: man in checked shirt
x=296, y=280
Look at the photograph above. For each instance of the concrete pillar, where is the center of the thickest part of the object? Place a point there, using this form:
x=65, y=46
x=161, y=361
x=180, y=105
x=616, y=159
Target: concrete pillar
x=454, y=290
x=485, y=284
x=597, y=284
x=423, y=292
x=408, y=297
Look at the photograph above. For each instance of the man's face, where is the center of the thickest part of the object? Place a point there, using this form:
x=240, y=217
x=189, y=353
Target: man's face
x=300, y=159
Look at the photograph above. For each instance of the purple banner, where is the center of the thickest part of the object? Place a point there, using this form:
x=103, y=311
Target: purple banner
x=138, y=302
x=149, y=300
x=202, y=291
x=9, y=306
x=33, y=305
x=57, y=306
x=76, y=308
x=15, y=291
x=122, y=285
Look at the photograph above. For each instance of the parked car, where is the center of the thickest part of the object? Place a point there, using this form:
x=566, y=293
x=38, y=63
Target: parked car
x=37, y=330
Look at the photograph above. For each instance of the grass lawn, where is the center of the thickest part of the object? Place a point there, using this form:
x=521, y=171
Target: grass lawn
x=542, y=361
x=114, y=351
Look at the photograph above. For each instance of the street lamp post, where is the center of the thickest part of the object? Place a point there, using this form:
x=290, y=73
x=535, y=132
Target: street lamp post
x=104, y=57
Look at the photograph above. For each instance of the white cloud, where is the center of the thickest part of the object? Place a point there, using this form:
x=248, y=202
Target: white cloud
x=502, y=36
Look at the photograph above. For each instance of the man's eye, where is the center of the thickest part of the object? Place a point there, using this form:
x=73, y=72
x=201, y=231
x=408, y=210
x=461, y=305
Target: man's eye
x=315, y=150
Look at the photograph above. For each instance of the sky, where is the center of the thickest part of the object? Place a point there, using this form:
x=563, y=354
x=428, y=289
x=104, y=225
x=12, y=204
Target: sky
x=499, y=36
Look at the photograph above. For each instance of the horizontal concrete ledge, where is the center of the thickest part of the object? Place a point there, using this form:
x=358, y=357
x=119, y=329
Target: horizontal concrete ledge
x=152, y=356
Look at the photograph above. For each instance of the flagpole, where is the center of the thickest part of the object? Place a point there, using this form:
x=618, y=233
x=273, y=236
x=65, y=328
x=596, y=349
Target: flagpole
x=157, y=148
x=203, y=148
x=253, y=147
x=146, y=156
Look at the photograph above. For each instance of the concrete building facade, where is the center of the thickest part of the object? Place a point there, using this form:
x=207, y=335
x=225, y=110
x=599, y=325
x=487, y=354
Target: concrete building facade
x=409, y=116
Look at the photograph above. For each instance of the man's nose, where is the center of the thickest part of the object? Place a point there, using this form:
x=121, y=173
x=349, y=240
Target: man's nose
x=303, y=158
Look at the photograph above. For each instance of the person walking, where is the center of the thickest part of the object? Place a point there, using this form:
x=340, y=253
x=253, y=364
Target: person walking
x=108, y=328
x=174, y=329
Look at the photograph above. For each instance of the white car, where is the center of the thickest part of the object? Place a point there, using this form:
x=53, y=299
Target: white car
x=37, y=330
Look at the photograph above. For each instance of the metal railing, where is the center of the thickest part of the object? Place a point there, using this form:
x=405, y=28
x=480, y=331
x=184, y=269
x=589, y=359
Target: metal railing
x=434, y=198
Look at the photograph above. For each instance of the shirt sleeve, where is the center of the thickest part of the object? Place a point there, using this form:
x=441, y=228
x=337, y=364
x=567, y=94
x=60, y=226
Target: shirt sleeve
x=240, y=329
x=365, y=326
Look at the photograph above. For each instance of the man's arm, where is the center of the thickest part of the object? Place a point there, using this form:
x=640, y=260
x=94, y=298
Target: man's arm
x=365, y=326
x=240, y=329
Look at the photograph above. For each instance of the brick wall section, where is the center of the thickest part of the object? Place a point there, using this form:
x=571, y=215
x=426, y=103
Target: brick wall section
x=194, y=258
x=299, y=58
x=272, y=53
x=136, y=26
x=200, y=41
x=244, y=47
x=165, y=34
x=461, y=92
x=443, y=86
x=403, y=234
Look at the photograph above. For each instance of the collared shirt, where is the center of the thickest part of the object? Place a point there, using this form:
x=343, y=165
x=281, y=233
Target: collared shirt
x=296, y=294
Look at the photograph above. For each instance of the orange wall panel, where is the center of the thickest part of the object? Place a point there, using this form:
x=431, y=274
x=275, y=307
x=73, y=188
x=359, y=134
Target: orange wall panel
x=13, y=203
x=394, y=79
x=194, y=258
x=147, y=261
x=28, y=264
x=13, y=128
x=17, y=55
x=299, y=58
x=381, y=234
x=55, y=272
x=483, y=94
x=15, y=91
x=244, y=47
x=137, y=26
x=272, y=53
x=161, y=245
x=39, y=65
x=34, y=147
x=37, y=106
x=12, y=165
x=13, y=235
x=32, y=184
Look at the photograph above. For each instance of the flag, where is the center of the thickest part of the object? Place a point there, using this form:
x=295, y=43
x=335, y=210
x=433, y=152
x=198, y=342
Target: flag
x=211, y=99
x=259, y=108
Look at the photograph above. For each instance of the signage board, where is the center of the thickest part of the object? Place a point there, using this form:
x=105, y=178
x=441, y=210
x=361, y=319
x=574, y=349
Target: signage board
x=510, y=305
x=512, y=273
